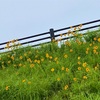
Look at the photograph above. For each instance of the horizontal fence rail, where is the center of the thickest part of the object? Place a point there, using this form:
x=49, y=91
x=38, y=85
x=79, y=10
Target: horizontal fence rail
x=51, y=35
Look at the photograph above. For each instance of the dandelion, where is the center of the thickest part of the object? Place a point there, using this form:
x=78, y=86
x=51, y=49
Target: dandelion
x=20, y=65
x=9, y=62
x=42, y=59
x=67, y=43
x=71, y=50
x=94, y=38
x=65, y=56
x=12, y=57
x=90, y=45
x=58, y=79
x=79, y=63
x=15, y=65
x=86, y=52
x=79, y=68
x=29, y=82
x=75, y=79
x=47, y=55
x=36, y=56
x=56, y=62
x=38, y=61
x=7, y=88
x=94, y=51
x=84, y=77
x=66, y=87
x=95, y=67
x=35, y=60
x=62, y=68
x=87, y=49
x=50, y=57
x=84, y=64
x=98, y=39
x=67, y=69
x=55, y=59
x=29, y=52
x=20, y=57
x=52, y=69
x=31, y=65
x=8, y=56
x=87, y=69
x=95, y=47
x=25, y=54
x=29, y=60
x=23, y=81
x=79, y=58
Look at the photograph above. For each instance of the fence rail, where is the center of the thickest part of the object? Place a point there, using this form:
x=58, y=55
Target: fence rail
x=51, y=34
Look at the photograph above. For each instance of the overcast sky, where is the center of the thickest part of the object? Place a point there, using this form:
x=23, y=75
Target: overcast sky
x=20, y=18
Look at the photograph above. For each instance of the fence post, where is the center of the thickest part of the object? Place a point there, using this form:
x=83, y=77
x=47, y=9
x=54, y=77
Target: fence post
x=52, y=34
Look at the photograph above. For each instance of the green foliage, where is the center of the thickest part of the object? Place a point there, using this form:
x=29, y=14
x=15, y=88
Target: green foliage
x=50, y=72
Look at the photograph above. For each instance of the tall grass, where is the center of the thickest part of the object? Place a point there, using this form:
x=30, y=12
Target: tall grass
x=69, y=72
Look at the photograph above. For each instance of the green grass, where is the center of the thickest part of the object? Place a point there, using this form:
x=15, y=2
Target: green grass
x=71, y=72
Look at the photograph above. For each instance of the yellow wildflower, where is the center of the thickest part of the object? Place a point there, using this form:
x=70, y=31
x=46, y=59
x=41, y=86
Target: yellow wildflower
x=71, y=50
x=25, y=54
x=87, y=69
x=98, y=39
x=58, y=79
x=84, y=77
x=29, y=82
x=94, y=51
x=87, y=52
x=47, y=55
x=7, y=87
x=20, y=65
x=94, y=38
x=55, y=59
x=90, y=44
x=62, y=68
x=67, y=69
x=87, y=49
x=65, y=56
x=52, y=69
x=66, y=87
x=79, y=68
x=12, y=57
x=95, y=67
x=95, y=47
x=23, y=80
x=20, y=57
x=31, y=65
x=38, y=61
x=9, y=62
x=50, y=57
x=75, y=79
x=84, y=64
x=79, y=62
x=42, y=59
x=79, y=58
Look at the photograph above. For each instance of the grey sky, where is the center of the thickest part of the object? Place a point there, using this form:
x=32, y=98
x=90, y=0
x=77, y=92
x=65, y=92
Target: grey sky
x=20, y=18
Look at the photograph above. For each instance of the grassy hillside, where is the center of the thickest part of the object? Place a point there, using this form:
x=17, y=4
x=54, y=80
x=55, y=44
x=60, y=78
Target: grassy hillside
x=69, y=72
